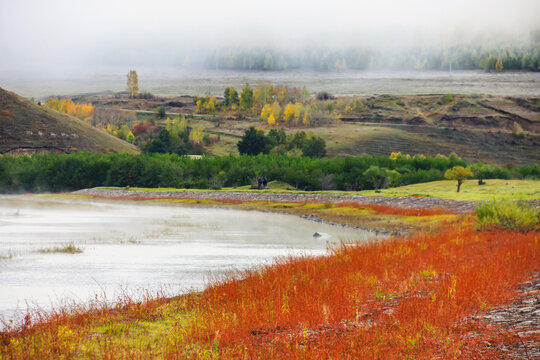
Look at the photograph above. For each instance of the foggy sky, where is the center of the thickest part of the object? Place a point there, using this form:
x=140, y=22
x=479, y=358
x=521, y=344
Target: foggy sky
x=61, y=36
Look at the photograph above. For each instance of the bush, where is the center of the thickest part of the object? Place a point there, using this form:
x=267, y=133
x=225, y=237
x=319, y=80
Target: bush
x=324, y=95
x=509, y=215
x=161, y=113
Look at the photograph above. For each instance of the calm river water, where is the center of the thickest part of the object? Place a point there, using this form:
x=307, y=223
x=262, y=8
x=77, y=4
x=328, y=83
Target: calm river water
x=130, y=246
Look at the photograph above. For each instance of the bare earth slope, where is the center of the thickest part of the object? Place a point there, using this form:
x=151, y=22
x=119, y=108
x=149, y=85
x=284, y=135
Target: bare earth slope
x=29, y=128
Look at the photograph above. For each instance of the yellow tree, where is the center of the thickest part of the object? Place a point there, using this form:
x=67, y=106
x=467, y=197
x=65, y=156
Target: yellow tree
x=271, y=120
x=211, y=105
x=196, y=135
x=266, y=111
x=130, y=138
x=179, y=124
x=458, y=173
x=307, y=117
x=288, y=113
x=276, y=110
x=199, y=106
x=132, y=83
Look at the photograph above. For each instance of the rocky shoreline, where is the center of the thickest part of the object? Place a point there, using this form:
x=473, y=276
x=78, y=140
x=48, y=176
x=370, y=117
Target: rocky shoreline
x=457, y=206
x=520, y=318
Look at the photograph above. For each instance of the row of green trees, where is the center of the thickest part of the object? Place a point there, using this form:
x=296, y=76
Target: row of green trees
x=64, y=172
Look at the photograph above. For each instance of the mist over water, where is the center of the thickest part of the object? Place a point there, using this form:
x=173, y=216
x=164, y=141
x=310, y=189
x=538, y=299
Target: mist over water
x=129, y=246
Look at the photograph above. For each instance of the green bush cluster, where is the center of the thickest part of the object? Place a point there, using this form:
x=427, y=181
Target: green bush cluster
x=509, y=215
x=64, y=172
x=254, y=142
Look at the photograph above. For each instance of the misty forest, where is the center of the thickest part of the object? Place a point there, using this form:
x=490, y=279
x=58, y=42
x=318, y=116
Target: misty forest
x=270, y=180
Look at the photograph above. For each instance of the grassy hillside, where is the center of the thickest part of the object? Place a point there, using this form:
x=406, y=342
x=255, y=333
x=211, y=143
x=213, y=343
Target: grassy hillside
x=496, y=130
x=28, y=128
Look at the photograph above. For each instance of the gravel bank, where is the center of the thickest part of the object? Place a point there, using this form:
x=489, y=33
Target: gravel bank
x=457, y=206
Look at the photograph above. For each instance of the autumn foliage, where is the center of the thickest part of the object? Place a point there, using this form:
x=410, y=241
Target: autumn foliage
x=82, y=111
x=390, y=210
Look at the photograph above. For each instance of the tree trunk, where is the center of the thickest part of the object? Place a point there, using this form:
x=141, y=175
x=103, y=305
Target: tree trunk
x=458, y=185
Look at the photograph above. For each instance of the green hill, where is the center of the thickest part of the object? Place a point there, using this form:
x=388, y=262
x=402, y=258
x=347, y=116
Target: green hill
x=27, y=128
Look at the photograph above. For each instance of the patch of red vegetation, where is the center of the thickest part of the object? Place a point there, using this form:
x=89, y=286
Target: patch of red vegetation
x=390, y=210
x=396, y=299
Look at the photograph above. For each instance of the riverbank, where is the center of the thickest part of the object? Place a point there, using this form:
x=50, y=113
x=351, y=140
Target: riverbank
x=453, y=206
x=441, y=292
x=382, y=215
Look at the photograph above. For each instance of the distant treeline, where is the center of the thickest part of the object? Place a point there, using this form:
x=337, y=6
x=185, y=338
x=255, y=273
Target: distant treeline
x=64, y=172
x=512, y=57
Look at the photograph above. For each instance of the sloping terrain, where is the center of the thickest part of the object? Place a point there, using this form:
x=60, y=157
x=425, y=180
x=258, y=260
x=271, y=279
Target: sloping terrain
x=491, y=146
x=27, y=128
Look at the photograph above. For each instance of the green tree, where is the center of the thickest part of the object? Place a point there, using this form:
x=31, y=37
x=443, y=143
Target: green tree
x=275, y=137
x=130, y=138
x=161, y=113
x=233, y=97
x=314, y=146
x=458, y=173
x=246, y=97
x=375, y=177
x=226, y=95
x=253, y=142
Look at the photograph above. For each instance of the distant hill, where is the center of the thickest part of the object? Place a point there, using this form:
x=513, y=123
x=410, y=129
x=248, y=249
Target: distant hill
x=27, y=128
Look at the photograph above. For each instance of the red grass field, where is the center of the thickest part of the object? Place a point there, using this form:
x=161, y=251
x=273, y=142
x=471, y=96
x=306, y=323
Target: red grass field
x=403, y=298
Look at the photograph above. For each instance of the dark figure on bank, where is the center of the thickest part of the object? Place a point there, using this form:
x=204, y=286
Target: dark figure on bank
x=259, y=183
x=265, y=183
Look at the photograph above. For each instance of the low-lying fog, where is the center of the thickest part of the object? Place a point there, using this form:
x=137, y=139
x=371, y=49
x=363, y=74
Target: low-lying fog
x=61, y=39
x=128, y=246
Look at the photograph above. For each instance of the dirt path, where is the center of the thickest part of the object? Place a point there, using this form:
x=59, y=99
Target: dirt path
x=456, y=206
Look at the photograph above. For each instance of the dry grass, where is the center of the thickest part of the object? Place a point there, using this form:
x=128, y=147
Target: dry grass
x=65, y=249
x=26, y=125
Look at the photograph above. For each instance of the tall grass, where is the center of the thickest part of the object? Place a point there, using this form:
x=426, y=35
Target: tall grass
x=509, y=215
x=65, y=249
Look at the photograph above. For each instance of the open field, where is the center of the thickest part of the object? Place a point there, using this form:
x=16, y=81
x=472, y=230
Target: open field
x=470, y=190
x=192, y=82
